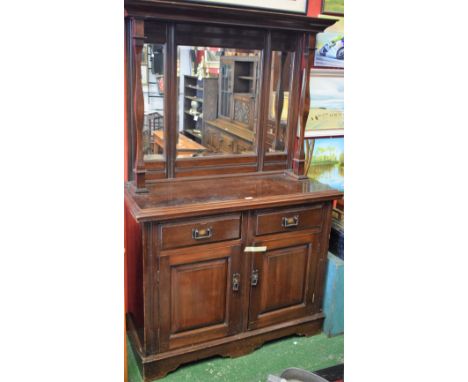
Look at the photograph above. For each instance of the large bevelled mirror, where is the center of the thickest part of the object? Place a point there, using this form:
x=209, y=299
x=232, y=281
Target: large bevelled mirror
x=218, y=101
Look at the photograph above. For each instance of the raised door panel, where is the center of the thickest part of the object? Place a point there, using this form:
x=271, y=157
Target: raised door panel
x=204, y=283
x=285, y=272
x=283, y=280
x=198, y=299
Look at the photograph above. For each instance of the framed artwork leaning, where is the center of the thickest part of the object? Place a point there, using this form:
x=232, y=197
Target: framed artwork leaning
x=325, y=161
x=333, y=7
x=326, y=114
x=329, y=50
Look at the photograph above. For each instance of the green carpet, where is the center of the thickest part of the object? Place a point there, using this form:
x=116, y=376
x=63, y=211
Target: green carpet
x=310, y=353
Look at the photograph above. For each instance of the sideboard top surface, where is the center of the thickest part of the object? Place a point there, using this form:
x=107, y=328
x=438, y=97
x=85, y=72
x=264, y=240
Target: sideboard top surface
x=182, y=198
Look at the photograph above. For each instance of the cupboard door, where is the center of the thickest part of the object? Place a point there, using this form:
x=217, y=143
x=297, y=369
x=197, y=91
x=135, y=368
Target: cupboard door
x=199, y=295
x=282, y=280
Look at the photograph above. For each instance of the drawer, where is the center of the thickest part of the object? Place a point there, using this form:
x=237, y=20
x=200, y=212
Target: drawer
x=200, y=231
x=290, y=219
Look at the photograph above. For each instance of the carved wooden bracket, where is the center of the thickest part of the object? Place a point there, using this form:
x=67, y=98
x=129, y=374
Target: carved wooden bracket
x=299, y=152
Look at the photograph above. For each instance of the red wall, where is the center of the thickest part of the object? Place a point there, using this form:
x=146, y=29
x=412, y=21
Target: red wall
x=314, y=8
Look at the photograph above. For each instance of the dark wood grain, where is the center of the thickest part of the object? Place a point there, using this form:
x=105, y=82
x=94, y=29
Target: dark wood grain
x=268, y=222
x=219, y=15
x=134, y=270
x=180, y=234
x=138, y=30
x=184, y=198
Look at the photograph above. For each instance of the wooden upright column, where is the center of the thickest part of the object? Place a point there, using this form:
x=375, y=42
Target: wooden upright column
x=138, y=38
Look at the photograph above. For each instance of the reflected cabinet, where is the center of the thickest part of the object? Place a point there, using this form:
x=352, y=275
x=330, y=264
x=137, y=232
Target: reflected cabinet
x=225, y=237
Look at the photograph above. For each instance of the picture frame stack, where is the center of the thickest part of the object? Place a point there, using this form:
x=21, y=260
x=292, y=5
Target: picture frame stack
x=325, y=124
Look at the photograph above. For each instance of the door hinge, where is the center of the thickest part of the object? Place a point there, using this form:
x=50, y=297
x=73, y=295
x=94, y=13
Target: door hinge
x=313, y=298
x=157, y=276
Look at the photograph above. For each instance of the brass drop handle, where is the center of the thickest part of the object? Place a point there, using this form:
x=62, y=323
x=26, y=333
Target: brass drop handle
x=288, y=222
x=254, y=278
x=202, y=233
x=235, y=282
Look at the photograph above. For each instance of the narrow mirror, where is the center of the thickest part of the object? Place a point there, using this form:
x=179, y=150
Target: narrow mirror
x=152, y=81
x=280, y=84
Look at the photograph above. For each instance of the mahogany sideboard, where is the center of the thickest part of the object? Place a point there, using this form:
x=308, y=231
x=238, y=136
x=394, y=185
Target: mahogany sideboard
x=225, y=249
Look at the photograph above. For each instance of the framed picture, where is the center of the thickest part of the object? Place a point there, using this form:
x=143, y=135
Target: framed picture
x=326, y=114
x=329, y=50
x=325, y=161
x=292, y=6
x=333, y=7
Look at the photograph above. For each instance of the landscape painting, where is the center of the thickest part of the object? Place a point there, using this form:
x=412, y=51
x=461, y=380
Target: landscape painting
x=335, y=7
x=329, y=50
x=327, y=164
x=326, y=104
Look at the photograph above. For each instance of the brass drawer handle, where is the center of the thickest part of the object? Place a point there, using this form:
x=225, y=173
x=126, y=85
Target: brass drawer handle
x=202, y=233
x=290, y=222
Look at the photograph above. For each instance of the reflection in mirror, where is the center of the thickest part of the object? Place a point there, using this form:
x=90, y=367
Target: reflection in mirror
x=152, y=81
x=280, y=84
x=218, y=101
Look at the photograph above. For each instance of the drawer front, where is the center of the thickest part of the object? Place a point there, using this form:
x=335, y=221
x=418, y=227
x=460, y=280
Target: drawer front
x=290, y=219
x=200, y=231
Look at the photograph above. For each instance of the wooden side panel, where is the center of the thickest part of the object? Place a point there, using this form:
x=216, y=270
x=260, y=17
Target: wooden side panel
x=134, y=271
